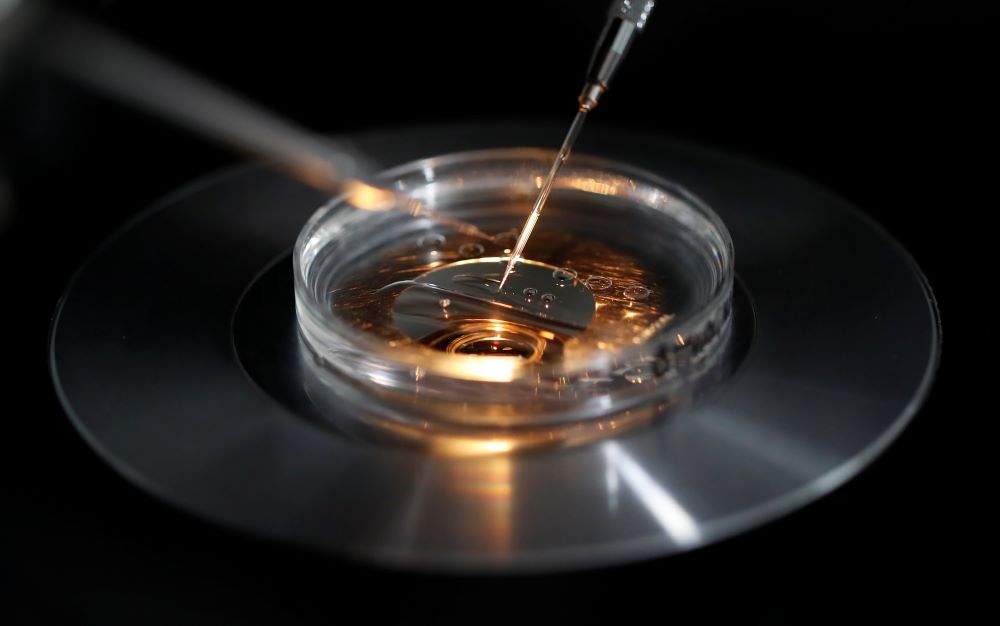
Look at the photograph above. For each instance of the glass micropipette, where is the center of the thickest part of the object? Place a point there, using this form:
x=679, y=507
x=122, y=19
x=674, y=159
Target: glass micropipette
x=626, y=19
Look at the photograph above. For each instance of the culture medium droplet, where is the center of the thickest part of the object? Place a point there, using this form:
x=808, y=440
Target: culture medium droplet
x=529, y=293
x=470, y=250
x=563, y=276
x=444, y=302
x=548, y=298
x=598, y=283
x=431, y=241
x=636, y=292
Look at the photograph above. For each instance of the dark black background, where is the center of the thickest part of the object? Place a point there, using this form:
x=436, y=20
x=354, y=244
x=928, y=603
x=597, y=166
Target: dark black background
x=878, y=101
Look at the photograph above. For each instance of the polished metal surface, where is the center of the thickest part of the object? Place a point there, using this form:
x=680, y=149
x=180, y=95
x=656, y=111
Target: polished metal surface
x=469, y=291
x=142, y=353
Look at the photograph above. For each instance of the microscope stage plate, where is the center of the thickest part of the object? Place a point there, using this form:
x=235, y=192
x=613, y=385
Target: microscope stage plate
x=845, y=345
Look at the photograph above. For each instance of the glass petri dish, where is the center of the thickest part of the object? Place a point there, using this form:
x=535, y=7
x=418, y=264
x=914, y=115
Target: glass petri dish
x=620, y=308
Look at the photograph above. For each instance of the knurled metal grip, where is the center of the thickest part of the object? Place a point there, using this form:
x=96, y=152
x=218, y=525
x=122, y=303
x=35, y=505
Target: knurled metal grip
x=626, y=19
x=635, y=11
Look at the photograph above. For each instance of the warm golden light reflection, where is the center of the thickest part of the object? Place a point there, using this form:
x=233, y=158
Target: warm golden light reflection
x=491, y=350
x=604, y=187
x=487, y=483
x=484, y=368
x=469, y=446
x=364, y=196
x=315, y=172
x=367, y=197
x=449, y=435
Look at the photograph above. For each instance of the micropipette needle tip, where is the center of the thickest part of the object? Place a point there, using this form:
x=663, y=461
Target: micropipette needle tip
x=543, y=194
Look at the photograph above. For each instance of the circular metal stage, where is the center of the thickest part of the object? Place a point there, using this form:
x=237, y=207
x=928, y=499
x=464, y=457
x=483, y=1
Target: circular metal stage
x=154, y=357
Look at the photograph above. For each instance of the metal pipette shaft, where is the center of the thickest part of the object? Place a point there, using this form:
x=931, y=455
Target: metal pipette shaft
x=91, y=55
x=626, y=19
